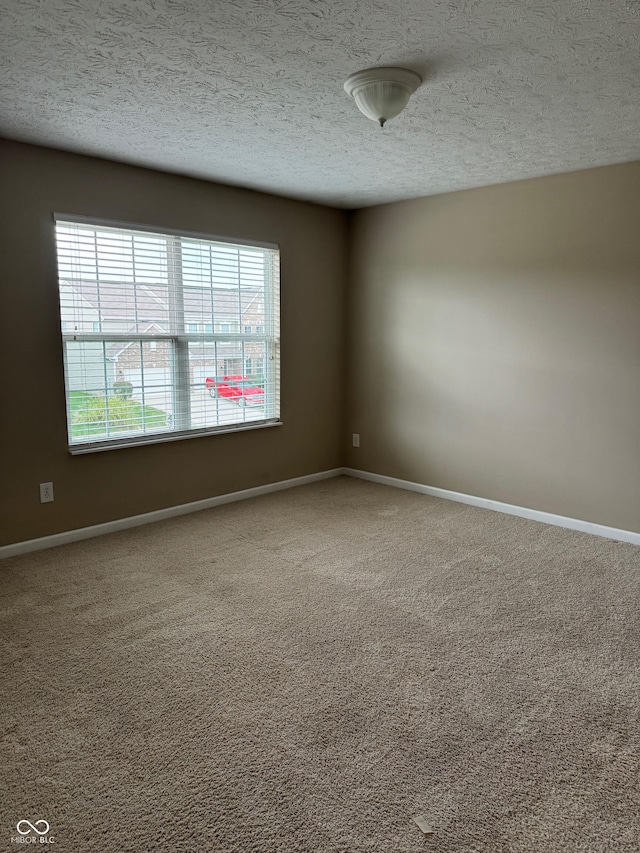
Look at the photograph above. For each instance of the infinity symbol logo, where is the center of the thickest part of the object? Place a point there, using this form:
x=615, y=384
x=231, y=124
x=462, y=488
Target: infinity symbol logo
x=32, y=827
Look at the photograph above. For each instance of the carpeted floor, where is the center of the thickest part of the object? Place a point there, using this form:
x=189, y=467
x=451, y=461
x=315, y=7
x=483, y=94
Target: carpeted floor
x=309, y=670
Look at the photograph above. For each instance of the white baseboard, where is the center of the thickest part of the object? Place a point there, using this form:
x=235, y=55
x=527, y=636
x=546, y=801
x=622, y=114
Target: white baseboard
x=183, y=509
x=158, y=515
x=497, y=506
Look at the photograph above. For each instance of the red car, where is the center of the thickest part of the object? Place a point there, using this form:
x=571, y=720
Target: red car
x=236, y=388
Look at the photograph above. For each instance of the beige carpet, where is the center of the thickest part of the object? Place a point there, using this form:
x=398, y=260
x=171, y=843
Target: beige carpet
x=308, y=670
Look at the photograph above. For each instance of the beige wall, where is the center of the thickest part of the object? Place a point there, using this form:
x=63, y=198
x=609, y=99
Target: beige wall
x=103, y=486
x=494, y=343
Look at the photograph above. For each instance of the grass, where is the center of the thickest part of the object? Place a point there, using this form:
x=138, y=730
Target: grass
x=96, y=414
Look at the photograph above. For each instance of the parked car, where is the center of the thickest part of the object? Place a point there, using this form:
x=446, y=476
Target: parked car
x=239, y=389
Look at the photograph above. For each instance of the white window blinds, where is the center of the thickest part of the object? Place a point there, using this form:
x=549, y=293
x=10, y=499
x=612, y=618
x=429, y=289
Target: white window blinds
x=165, y=335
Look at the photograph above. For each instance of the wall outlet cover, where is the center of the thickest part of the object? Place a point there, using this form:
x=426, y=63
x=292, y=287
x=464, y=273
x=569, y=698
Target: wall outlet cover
x=46, y=493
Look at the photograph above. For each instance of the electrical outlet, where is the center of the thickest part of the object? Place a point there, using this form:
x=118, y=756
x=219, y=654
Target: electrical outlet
x=46, y=493
x=356, y=439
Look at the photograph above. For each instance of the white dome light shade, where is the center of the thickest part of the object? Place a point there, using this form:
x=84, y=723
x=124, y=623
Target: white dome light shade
x=382, y=93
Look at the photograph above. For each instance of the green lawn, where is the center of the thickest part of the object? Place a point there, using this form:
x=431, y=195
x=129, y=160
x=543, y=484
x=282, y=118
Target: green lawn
x=91, y=414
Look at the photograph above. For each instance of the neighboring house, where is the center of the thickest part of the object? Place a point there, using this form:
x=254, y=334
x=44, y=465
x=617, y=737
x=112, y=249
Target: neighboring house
x=85, y=366
x=144, y=309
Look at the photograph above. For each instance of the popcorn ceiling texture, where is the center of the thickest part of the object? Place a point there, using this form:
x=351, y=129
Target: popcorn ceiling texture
x=307, y=671
x=250, y=93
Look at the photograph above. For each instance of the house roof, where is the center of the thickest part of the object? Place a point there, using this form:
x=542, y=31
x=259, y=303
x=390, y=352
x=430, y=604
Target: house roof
x=148, y=304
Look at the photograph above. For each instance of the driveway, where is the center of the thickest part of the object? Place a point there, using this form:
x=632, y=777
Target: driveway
x=205, y=410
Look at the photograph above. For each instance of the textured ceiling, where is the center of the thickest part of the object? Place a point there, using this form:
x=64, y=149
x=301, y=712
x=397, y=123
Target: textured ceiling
x=250, y=93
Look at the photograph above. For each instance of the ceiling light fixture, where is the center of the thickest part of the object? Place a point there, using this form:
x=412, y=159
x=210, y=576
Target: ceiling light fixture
x=382, y=93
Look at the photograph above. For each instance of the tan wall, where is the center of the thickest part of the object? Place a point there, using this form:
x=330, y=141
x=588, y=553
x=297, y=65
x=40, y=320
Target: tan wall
x=99, y=487
x=494, y=343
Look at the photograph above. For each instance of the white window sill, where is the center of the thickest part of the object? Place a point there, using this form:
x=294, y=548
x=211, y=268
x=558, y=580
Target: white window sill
x=162, y=438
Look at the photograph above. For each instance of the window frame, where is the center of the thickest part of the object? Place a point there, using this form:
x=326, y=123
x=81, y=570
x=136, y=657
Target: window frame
x=179, y=340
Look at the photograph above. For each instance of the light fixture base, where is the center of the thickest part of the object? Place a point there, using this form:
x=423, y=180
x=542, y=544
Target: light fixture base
x=384, y=74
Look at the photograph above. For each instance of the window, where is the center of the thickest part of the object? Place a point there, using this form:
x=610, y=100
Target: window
x=247, y=330
x=259, y=330
x=158, y=364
